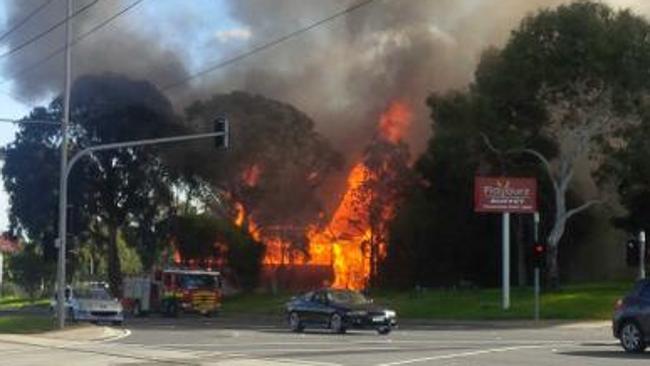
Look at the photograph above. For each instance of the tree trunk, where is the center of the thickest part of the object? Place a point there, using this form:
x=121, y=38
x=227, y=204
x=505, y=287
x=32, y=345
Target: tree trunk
x=559, y=223
x=553, y=272
x=114, y=265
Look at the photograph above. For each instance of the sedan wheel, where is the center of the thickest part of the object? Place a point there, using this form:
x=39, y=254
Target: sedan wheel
x=71, y=315
x=384, y=330
x=336, y=324
x=632, y=338
x=295, y=323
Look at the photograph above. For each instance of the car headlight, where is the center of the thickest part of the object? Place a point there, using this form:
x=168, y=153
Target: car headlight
x=357, y=313
x=390, y=314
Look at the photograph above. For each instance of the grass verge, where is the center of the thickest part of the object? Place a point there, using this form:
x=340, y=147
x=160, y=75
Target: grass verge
x=25, y=323
x=574, y=302
x=579, y=302
x=14, y=302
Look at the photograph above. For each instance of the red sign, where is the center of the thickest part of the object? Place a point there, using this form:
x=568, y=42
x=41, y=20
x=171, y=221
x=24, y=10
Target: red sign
x=505, y=194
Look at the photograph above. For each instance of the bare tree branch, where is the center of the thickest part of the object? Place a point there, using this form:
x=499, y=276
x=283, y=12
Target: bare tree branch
x=535, y=153
x=488, y=143
x=582, y=207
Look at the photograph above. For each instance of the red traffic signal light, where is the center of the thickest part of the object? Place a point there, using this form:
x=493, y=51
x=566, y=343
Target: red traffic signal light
x=539, y=255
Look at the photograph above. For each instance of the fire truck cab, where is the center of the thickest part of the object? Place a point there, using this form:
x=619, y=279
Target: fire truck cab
x=173, y=290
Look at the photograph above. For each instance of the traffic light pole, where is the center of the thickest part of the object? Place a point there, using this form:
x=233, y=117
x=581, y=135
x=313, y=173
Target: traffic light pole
x=642, y=254
x=63, y=197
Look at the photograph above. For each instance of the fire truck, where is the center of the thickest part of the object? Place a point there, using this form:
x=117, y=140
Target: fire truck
x=173, y=290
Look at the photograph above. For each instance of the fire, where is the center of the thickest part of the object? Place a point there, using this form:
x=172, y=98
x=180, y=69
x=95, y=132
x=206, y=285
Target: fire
x=395, y=121
x=251, y=176
x=352, y=243
x=276, y=250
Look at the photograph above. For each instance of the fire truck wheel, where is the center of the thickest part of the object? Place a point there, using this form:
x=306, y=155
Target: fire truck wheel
x=171, y=309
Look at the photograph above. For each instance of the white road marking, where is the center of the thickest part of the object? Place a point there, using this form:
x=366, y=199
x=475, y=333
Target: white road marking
x=125, y=333
x=350, y=343
x=302, y=362
x=459, y=355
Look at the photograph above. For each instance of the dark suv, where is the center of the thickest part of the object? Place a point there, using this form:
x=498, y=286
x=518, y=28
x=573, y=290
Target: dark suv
x=631, y=322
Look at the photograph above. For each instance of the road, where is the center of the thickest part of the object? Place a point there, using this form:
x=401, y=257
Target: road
x=198, y=341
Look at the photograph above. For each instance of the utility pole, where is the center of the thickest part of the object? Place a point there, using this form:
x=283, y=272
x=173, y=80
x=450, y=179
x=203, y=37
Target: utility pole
x=61, y=280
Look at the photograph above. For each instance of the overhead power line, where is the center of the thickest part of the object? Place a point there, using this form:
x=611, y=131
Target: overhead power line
x=265, y=46
x=48, y=30
x=80, y=38
x=26, y=19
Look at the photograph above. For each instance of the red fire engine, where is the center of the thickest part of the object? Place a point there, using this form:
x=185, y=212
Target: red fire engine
x=173, y=290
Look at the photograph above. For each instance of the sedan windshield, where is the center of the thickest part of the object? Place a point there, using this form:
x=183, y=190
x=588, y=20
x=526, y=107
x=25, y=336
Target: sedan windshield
x=192, y=282
x=93, y=293
x=347, y=297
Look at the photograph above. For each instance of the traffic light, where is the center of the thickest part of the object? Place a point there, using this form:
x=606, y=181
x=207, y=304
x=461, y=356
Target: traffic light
x=632, y=249
x=221, y=124
x=539, y=255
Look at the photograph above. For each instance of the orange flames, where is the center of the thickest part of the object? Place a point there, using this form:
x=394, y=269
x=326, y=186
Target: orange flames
x=341, y=242
x=395, y=121
x=251, y=176
x=347, y=242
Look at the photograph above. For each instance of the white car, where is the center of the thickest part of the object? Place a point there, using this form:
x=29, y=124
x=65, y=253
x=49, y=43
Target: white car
x=92, y=303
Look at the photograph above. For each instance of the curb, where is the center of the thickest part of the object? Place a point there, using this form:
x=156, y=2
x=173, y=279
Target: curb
x=67, y=337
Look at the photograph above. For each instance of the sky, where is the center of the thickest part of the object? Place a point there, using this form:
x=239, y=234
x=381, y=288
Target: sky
x=404, y=48
x=203, y=12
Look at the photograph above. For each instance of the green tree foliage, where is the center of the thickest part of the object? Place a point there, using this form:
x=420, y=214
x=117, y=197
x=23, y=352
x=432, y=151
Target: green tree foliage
x=627, y=171
x=551, y=50
x=126, y=190
x=274, y=167
x=201, y=236
x=30, y=271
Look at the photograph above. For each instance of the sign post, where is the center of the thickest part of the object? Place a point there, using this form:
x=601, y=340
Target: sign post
x=537, y=285
x=505, y=263
x=505, y=195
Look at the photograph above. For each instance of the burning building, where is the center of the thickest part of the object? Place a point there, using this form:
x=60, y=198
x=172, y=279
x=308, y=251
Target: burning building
x=344, y=251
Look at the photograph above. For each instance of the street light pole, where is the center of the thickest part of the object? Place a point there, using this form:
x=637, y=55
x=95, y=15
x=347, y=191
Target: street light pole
x=62, y=181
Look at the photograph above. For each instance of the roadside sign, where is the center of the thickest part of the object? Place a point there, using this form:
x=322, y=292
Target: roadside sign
x=505, y=194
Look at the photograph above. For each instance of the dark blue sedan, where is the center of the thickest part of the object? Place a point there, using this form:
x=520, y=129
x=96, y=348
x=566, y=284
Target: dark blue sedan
x=338, y=310
x=631, y=320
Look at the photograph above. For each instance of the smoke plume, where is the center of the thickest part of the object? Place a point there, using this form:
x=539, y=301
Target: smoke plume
x=342, y=73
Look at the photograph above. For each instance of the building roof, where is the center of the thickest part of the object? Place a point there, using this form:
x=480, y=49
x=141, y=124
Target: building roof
x=7, y=245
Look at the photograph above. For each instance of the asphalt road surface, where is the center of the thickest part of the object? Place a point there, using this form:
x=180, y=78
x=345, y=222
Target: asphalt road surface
x=199, y=341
